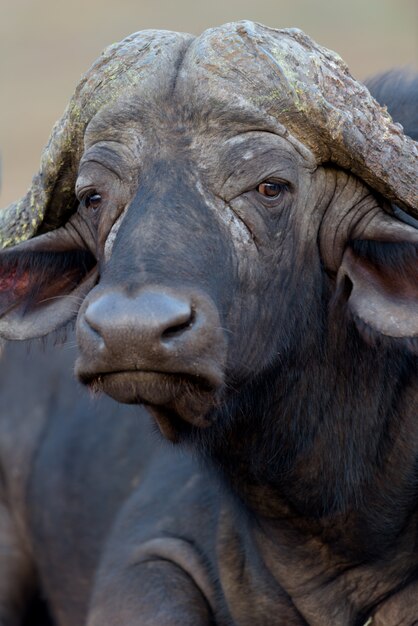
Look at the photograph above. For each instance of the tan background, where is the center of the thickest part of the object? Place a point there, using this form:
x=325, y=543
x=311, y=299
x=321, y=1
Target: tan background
x=47, y=44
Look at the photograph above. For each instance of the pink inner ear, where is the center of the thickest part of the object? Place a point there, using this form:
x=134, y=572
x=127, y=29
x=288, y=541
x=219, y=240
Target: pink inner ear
x=383, y=297
x=12, y=283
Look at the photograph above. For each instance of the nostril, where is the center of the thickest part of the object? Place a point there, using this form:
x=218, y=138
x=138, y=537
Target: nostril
x=90, y=336
x=179, y=328
x=91, y=321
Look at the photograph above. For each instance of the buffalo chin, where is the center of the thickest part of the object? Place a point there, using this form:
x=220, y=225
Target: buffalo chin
x=177, y=402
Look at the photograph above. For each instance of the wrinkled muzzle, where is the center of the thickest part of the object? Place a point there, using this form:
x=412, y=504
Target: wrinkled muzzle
x=156, y=337
x=159, y=346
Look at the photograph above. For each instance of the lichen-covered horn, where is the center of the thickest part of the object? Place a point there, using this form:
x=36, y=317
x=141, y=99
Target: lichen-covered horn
x=283, y=73
x=50, y=199
x=310, y=91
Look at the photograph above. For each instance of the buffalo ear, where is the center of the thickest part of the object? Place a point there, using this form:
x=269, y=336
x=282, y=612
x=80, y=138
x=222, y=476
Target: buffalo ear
x=42, y=283
x=380, y=281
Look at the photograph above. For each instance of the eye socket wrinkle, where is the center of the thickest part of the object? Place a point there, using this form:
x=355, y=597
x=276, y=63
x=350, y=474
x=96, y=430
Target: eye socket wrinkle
x=111, y=166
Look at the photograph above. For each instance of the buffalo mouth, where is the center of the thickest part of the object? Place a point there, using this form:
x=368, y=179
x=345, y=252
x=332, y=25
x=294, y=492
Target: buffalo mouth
x=178, y=402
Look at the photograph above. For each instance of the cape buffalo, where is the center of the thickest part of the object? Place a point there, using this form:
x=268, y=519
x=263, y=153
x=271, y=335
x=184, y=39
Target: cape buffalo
x=231, y=220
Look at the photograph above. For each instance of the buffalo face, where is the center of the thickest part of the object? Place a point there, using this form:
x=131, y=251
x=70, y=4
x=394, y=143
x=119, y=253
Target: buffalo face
x=188, y=305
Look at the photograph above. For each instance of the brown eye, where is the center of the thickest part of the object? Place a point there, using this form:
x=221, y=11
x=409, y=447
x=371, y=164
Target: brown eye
x=271, y=189
x=92, y=201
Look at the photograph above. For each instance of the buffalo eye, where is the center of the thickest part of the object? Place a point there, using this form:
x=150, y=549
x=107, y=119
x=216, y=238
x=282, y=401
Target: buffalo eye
x=92, y=200
x=271, y=189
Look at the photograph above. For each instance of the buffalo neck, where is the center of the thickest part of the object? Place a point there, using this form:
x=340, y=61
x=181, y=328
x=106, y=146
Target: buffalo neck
x=328, y=438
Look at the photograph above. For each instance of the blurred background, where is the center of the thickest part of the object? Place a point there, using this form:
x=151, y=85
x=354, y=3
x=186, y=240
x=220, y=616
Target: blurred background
x=46, y=45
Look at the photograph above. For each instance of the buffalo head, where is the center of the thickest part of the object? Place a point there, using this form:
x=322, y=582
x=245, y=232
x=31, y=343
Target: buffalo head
x=202, y=207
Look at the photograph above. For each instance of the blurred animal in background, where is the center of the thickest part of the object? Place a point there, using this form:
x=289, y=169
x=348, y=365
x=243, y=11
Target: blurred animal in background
x=398, y=91
x=230, y=221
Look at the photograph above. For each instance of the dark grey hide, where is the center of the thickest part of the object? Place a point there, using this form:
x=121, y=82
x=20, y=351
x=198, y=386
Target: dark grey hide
x=264, y=309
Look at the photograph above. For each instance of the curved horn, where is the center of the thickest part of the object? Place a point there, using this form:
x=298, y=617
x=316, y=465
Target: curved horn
x=309, y=90
x=283, y=72
x=51, y=198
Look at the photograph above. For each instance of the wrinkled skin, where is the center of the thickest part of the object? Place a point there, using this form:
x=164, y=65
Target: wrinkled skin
x=264, y=308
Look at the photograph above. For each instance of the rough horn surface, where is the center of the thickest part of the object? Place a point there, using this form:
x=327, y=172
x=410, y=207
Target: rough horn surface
x=305, y=87
x=50, y=198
